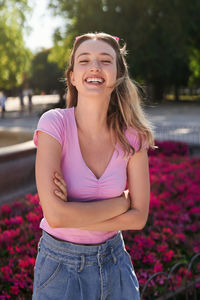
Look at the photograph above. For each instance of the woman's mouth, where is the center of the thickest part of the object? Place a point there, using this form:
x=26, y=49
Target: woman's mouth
x=95, y=80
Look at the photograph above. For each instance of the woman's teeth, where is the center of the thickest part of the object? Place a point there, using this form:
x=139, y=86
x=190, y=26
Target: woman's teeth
x=95, y=80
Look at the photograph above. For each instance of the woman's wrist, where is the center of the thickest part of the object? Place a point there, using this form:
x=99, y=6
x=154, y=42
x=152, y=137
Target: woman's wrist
x=124, y=203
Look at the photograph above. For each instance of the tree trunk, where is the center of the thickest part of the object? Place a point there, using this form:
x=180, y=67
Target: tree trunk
x=158, y=93
x=176, y=93
x=149, y=93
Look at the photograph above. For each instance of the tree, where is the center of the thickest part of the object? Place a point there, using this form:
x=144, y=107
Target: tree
x=16, y=8
x=159, y=34
x=195, y=67
x=15, y=58
x=60, y=52
x=46, y=76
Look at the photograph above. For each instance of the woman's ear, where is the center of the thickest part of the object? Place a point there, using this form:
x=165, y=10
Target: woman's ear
x=72, y=78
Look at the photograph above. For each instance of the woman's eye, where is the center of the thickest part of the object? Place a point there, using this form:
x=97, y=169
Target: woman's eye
x=83, y=61
x=106, y=61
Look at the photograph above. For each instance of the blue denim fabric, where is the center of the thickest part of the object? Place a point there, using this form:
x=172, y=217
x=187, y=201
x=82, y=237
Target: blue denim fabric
x=64, y=270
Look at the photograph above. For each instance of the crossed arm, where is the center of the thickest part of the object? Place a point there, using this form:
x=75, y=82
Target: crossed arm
x=119, y=213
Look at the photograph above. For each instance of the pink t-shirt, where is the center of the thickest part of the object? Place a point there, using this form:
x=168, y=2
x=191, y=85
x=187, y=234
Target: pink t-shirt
x=82, y=184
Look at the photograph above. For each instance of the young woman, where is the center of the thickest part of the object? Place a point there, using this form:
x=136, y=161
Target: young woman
x=87, y=156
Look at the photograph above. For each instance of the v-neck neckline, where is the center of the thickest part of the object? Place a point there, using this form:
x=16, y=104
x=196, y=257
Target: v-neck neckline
x=79, y=149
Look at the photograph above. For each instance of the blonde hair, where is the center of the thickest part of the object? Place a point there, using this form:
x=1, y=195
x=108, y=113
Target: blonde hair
x=125, y=108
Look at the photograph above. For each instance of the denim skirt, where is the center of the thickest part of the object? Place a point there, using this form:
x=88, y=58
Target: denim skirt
x=68, y=271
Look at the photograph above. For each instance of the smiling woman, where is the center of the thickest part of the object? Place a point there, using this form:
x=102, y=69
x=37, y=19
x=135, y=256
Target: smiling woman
x=96, y=68
x=86, y=156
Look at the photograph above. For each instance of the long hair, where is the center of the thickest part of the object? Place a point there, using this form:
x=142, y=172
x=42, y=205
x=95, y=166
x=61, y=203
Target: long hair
x=125, y=110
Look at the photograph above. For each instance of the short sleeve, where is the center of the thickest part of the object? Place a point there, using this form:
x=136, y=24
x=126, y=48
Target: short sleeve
x=52, y=123
x=134, y=139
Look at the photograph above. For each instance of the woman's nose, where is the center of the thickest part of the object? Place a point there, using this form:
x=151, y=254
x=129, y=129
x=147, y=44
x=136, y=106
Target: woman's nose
x=95, y=65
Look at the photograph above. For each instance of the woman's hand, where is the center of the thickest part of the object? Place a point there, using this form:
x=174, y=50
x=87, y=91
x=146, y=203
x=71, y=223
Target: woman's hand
x=124, y=201
x=61, y=192
x=127, y=197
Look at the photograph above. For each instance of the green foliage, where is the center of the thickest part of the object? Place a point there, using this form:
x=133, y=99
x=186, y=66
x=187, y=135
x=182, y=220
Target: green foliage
x=195, y=67
x=46, y=76
x=61, y=51
x=16, y=8
x=159, y=34
x=15, y=58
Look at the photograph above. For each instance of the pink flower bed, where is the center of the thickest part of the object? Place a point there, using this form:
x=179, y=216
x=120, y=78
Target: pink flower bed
x=19, y=235
x=170, y=148
x=172, y=233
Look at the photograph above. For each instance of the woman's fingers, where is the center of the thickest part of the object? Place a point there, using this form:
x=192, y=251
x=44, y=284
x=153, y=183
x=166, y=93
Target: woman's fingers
x=61, y=186
x=60, y=183
x=60, y=195
x=59, y=177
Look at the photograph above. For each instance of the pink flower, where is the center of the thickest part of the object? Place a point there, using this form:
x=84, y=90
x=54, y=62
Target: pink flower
x=33, y=198
x=25, y=263
x=168, y=256
x=149, y=258
x=32, y=217
x=5, y=296
x=8, y=235
x=5, y=209
x=181, y=236
x=14, y=221
x=167, y=230
x=195, y=211
x=17, y=249
x=162, y=248
x=196, y=249
x=173, y=207
x=194, y=227
x=14, y=290
x=10, y=250
x=7, y=273
x=158, y=267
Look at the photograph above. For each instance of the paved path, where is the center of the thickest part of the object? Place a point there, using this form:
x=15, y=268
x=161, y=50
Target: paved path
x=171, y=121
x=176, y=122
x=15, y=118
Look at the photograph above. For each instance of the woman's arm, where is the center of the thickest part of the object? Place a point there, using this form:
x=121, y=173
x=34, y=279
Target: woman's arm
x=67, y=214
x=139, y=189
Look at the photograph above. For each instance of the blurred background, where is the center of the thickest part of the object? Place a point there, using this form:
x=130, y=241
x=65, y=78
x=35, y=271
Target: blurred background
x=163, y=43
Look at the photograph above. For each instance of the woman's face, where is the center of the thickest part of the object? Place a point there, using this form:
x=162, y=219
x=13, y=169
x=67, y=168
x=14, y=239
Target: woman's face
x=95, y=68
